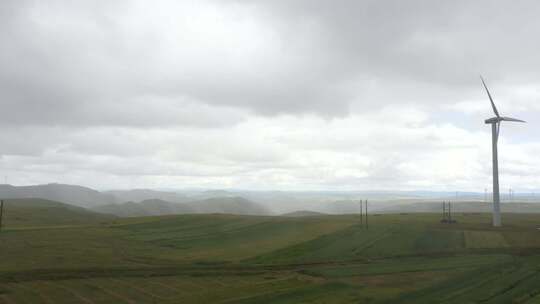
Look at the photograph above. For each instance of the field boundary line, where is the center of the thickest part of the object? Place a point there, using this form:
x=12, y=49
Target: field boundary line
x=36, y=291
x=70, y=290
x=140, y=289
x=112, y=293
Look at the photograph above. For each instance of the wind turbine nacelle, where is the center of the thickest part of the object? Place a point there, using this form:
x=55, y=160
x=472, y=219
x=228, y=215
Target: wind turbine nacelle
x=493, y=120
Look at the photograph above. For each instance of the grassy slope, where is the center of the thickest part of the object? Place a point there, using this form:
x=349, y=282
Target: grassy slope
x=40, y=212
x=242, y=259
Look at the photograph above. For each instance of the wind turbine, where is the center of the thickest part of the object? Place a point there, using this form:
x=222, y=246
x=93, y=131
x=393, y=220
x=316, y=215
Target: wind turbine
x=495, y=126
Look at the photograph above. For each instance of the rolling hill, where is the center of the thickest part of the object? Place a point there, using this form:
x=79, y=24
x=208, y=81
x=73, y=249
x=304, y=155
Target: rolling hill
x=144, y=208
x=222, y=258
x=69, y=194
x=41, y=212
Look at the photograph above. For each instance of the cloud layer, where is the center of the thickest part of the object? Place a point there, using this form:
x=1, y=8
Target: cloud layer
x=267, y=94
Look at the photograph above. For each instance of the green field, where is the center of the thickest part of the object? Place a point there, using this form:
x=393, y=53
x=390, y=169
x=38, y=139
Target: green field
x=411, y=258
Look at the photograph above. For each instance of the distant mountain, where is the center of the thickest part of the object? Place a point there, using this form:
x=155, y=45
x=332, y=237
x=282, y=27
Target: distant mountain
x=202, y=195
x=232, y=205
x=41, y=212
x=140, y=202
x=138, y=195
x=144, y=208
x=467, y=207
x=342, y=207
x=69, y=194
x=303, y=213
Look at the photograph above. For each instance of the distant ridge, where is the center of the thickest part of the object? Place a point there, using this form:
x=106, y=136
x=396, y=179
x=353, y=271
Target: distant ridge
x=41, y=212
x=69, y=194
x=138, y=195
x=252, y=202
x=144, y=208
x=303, y=213
x=467, y=207
x=231, y=205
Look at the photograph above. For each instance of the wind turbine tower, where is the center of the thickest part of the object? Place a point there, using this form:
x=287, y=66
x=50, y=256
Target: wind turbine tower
x=495, y=127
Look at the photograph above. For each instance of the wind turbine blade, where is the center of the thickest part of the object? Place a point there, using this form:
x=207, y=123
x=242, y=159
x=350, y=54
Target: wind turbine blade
x=512, y=119
x=490, y=99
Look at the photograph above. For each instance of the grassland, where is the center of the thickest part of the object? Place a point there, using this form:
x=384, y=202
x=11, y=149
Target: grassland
x=250, y=259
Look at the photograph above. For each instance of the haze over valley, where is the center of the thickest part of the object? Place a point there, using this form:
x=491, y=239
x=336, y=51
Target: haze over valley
x=143, y=202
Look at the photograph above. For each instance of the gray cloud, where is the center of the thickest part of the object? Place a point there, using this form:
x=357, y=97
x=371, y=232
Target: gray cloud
x=263, y=92
x=87, y=63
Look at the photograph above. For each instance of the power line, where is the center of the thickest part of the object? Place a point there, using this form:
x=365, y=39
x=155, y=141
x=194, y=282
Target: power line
x=447, y=213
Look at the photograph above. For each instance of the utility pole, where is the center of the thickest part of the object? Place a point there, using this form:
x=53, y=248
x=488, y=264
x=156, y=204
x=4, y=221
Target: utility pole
x=361, y=219
x=1, y=212
x=367, y=226
x=443, y=211
x=449, y=213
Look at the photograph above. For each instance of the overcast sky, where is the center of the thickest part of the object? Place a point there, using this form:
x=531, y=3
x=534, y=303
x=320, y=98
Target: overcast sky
x=286, y=95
